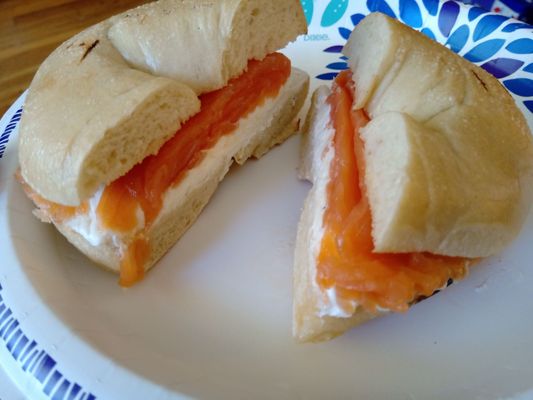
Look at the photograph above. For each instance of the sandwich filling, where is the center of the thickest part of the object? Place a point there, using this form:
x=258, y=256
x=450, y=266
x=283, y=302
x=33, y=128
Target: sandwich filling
x=347, y=265
x=129, y=206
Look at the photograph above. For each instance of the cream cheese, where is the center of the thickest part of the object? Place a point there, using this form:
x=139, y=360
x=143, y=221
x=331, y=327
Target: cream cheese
x=321, y=143
x=88, y=224
x=219, y=157
x=334, y=307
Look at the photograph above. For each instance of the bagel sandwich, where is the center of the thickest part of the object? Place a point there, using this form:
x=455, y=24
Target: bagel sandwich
x=420, y=163
x=129, y=126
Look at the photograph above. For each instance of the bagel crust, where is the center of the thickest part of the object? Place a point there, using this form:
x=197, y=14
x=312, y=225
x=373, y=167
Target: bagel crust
x=211, y=41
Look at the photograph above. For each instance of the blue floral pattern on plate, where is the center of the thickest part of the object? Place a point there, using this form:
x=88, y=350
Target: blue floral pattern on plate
x=501, y=45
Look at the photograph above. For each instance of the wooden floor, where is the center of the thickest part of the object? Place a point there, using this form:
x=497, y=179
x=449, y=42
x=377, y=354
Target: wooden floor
x=31, y=29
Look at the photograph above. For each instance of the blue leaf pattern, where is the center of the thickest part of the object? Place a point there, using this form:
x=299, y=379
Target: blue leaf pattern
x=515, y=26
x=448, y=16
x=475, y=12
x=487, y=25
x=486, y=4
x=337, y=66
x=520, y=86
x=487, y=31
x=485, y=50
x=356, y=18
x=328, y=76
x=345, y=33
x=334, y=12
x=381, y=6
x=428, y=33
x=432, y=6
x=518, y=6
x=521, y=46
x=457, y=39
x=502, y=67
x=308, y=9
x=333, y=49
x=410, y=13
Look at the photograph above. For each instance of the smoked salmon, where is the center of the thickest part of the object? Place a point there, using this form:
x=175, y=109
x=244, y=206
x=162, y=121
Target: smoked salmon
x=346, y=260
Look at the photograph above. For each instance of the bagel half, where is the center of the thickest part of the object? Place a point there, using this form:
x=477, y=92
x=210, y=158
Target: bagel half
x=270, y=124
x=113, y=95
x=448, y=167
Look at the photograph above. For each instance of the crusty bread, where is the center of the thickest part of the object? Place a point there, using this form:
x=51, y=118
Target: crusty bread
x=448, y=163
x=205, y=43
x=268, y=125
x=87, y=115
x=445, y=139
x=90, y=116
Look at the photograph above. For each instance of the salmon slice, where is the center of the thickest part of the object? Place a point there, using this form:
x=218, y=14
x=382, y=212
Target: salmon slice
x=52, y=211
x=147, y=182
x=346, y=260
x=220, y=113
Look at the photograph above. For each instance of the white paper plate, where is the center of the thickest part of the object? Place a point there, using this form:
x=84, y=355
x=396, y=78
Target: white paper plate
x=212, y=320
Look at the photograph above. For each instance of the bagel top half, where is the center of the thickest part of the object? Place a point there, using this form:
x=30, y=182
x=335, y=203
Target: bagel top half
x=449, y=156
x=113, y=94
